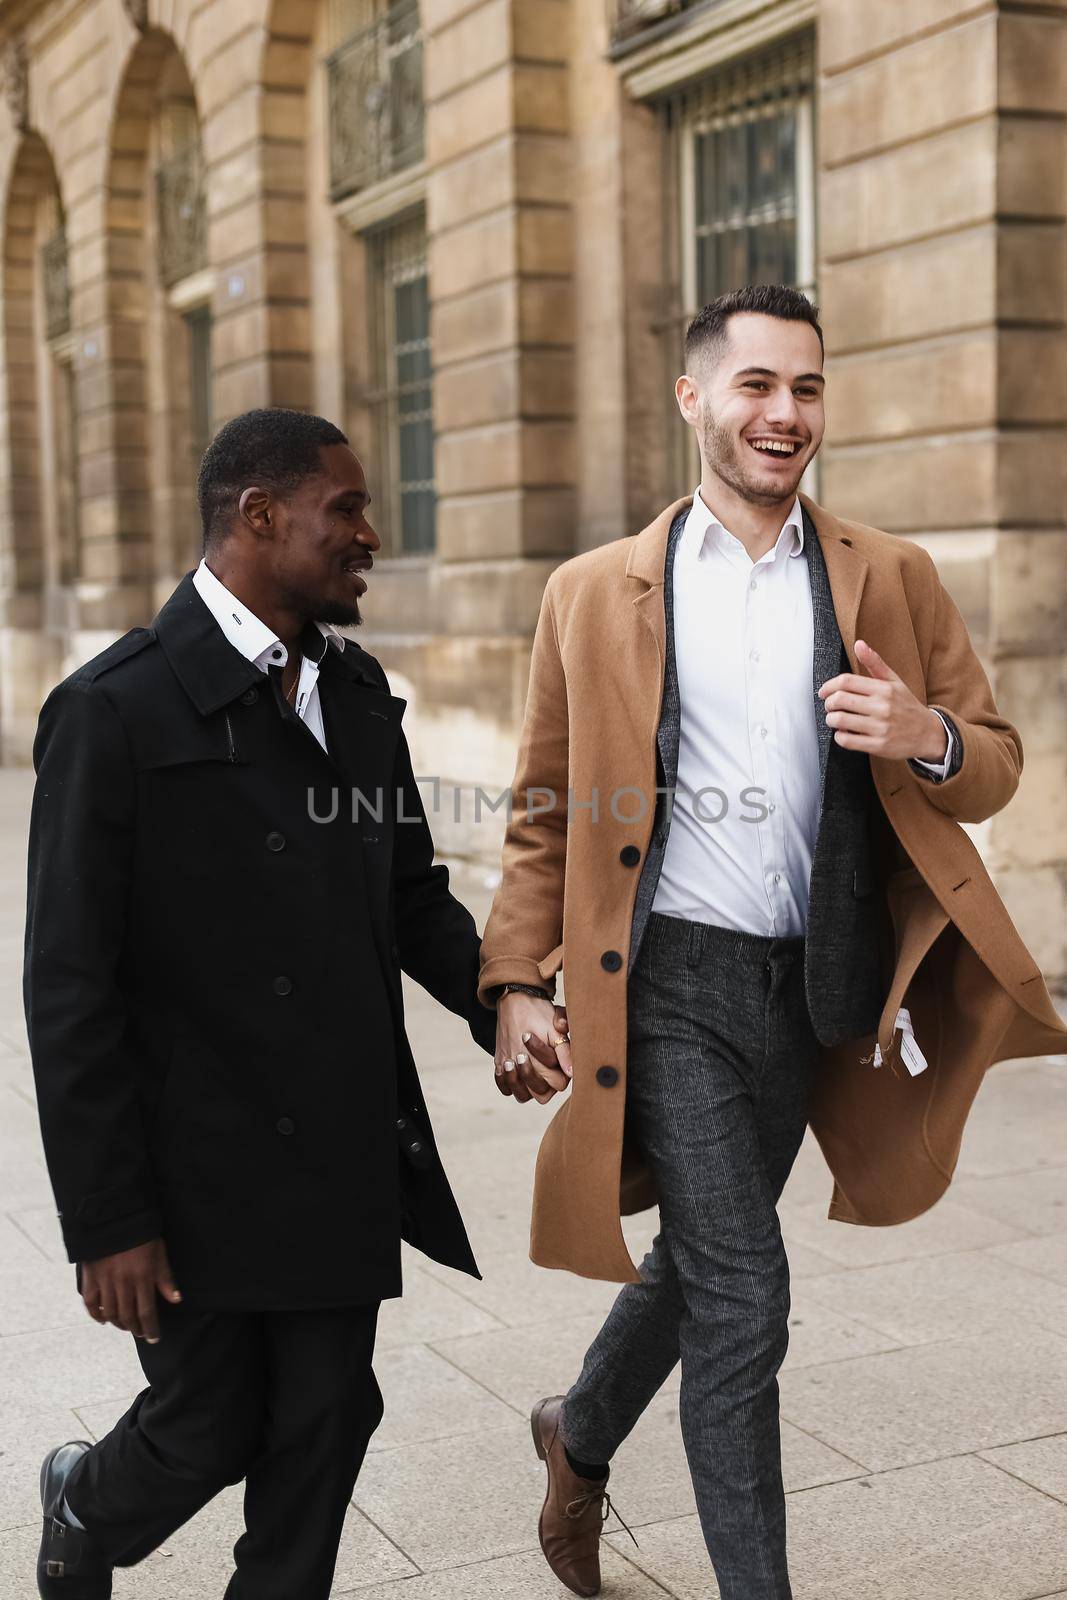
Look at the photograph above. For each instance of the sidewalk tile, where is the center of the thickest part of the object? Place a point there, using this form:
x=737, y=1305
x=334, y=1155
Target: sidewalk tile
x=945, y=1228
x=26, y=1435
x=918, y=1404
x=428, y=1310
x=940, y=1297
x=1041, y=1462
x=1033, y=1202
x=1046, y=1256
x=945, y=1531
x=448, y=1503
x=427, y=1398
x=67, y=1366
x=523, y=1577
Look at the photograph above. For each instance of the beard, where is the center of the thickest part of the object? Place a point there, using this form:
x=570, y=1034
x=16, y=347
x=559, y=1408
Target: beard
x=725, y=455
x=340, y=614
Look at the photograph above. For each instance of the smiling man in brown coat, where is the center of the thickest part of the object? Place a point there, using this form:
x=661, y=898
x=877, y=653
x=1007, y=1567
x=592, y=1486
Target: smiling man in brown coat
x=779, y=718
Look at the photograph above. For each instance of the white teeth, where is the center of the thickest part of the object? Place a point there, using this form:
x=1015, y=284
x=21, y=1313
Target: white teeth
x=779, y=447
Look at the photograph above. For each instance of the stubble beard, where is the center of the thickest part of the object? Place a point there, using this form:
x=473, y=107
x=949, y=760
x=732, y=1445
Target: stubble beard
x=722, y=452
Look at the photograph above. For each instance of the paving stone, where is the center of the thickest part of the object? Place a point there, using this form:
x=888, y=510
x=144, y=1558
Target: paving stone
x=1041, y=1462
x=427, y=1398
x=946, y=1531
x=71, y=1366
x=937, y=1297
x=818, y=1335
x=1033, y=1202
x=907, y=1406
x=946, y=1227
x=519, y=1294
x=26, y=1436
x=1046, y=1256
x=446, y=1506
x=40, y=1225
x=523, y=1577
x=1018, y=1120
x=523, y=1368
x=428, y=1310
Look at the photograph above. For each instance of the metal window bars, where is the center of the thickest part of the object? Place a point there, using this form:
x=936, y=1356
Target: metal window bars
x=375, y=99
x=181, y=214
x=402, y=399
x=56, y=284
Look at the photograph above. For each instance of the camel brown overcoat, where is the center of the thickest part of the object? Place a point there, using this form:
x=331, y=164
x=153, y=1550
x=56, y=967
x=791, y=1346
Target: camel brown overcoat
x=569, y=883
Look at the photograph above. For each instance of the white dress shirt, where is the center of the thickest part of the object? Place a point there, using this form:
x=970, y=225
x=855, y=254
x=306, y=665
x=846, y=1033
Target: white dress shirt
x=263, y=648
x=740, y=856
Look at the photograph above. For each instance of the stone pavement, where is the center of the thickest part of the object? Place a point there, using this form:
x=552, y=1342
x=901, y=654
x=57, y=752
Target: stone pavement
x=924, y=1397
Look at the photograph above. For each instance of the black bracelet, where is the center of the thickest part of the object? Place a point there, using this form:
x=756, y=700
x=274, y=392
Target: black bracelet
x=524, y=988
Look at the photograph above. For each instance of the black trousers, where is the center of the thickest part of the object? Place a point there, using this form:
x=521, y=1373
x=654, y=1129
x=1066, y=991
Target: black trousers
x=286, y=1400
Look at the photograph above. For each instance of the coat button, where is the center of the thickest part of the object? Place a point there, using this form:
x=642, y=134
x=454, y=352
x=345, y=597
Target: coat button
x=285, y=1125
x=250, y=697
x=611, y=961
x=607, y=1077
x=629, y=855
x=276, y=841
x=282, y=986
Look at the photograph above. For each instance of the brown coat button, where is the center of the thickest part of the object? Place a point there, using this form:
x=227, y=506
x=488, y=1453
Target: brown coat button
x=611, y=961
x=607, y=1076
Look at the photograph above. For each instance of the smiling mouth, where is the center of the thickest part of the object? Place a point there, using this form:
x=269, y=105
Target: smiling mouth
x=773, y=449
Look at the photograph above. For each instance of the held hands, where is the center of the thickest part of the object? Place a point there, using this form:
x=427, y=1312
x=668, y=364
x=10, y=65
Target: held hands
x=528, y=1065
x=879, y=715
x=122, y=1289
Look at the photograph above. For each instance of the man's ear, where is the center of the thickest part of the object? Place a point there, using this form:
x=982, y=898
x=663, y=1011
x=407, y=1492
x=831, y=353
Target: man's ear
x=685, y=392
x=255, y=509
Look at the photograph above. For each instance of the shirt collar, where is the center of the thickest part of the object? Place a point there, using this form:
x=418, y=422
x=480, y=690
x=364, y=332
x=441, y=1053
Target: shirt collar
x=703, y=530
x=243, y=629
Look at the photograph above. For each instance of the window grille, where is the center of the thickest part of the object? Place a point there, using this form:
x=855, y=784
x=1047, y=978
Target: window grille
x=181, y=212
x=56, y=284
x=376, y=109
x=402, y=401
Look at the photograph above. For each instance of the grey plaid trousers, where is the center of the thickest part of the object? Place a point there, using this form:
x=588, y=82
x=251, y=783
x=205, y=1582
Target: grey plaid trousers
x=720, y=1058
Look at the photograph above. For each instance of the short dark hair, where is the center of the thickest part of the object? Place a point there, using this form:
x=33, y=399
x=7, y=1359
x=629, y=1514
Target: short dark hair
x=273, y=448
x=708, y=328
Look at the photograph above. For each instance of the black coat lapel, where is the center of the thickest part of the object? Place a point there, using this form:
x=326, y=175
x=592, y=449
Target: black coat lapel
x=828, y=655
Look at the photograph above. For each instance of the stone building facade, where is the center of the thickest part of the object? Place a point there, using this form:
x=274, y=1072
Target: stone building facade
x=471, y=232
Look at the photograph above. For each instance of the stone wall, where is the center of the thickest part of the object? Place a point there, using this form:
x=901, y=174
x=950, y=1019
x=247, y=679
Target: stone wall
x=940, y=140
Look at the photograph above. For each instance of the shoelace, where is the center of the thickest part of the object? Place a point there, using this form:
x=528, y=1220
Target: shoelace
x=575, y=1508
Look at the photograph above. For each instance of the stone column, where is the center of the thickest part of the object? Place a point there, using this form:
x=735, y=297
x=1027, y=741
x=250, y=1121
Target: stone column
x=942, y=179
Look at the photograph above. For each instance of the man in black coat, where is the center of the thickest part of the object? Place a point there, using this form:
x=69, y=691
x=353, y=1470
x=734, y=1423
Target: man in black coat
x=230, y=866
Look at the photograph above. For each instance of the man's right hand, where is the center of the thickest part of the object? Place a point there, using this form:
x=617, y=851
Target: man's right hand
x=122, y=1288
x=525, y=1029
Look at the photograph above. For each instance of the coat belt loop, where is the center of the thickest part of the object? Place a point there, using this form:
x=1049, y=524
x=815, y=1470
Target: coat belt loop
x=695, y=949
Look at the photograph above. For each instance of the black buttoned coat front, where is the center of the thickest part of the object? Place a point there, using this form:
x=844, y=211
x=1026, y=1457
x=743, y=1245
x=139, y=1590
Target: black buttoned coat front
x=219, y=914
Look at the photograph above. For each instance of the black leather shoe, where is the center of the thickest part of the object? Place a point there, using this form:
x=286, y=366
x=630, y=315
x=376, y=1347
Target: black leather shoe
x=70, y=1566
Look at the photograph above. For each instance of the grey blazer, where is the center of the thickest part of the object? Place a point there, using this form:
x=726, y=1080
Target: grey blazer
x=843, y=961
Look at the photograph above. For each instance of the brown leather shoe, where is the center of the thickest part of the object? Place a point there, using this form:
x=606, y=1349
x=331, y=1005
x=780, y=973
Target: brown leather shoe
x=573, y=1513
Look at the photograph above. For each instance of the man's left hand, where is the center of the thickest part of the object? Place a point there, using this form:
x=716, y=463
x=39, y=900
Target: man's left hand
x=879, y=715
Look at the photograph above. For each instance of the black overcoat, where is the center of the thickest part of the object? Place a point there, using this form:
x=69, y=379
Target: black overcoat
x=219, y=914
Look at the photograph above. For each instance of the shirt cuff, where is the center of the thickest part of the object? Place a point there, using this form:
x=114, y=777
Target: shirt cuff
x=937, y=771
